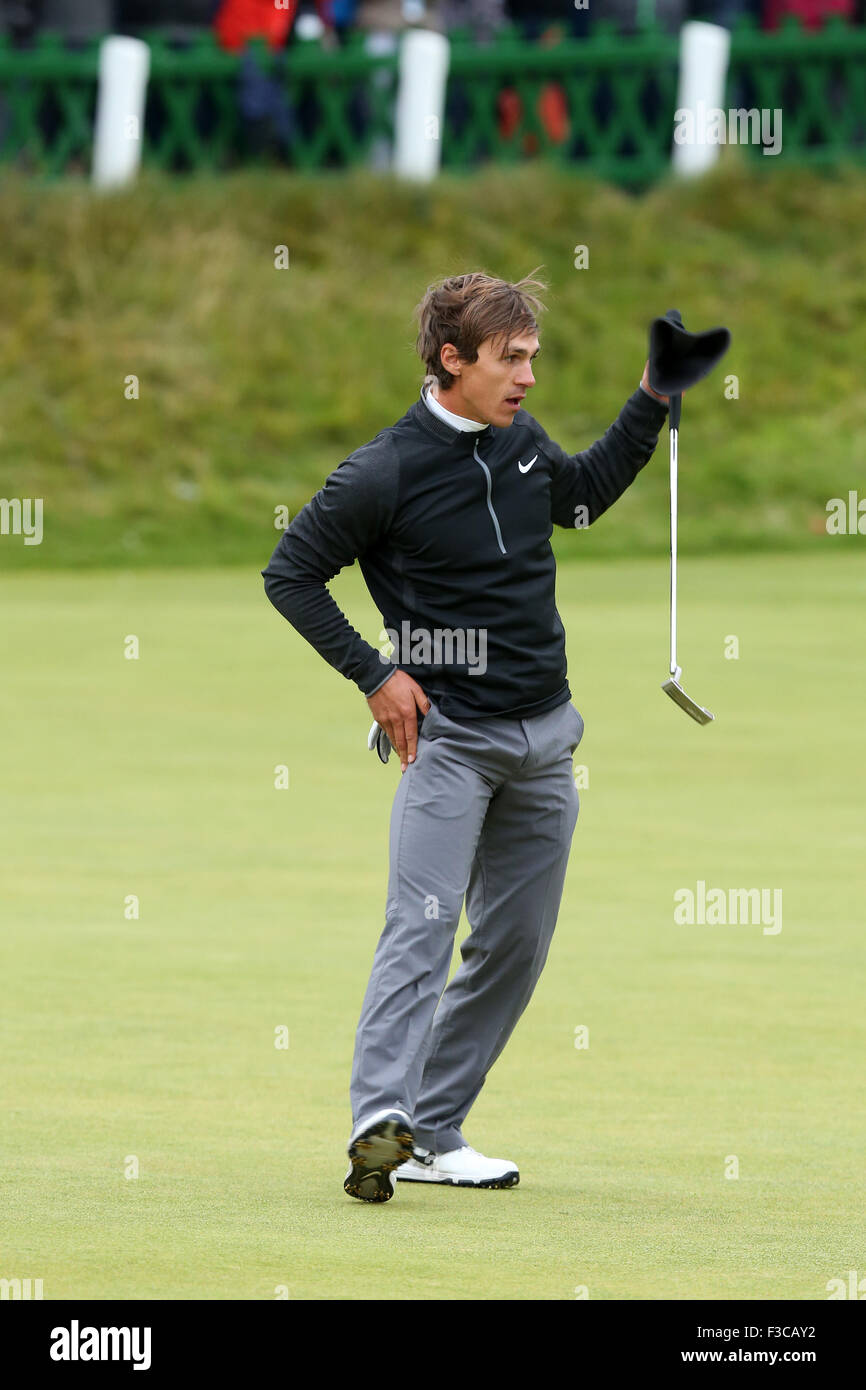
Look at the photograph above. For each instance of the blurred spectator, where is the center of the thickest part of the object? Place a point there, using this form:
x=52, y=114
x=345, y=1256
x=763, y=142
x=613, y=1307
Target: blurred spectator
x=343, y=15
x=74, y=19
x=389, y=16
x=539, y=17
x=482, y=18
x=19, y=19
x=632, y=15
x=237, y=21
x=724, y=12
x=669, y=15
x=552, y=105
x=812, y=13
x=262, y=99
x=176, y=18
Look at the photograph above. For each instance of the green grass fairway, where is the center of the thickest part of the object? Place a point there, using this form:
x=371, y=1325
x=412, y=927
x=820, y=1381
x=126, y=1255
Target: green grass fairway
x=153, y=1039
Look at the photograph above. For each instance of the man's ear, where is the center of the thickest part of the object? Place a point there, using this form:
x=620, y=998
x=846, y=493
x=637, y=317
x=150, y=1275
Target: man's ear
x=450, y=358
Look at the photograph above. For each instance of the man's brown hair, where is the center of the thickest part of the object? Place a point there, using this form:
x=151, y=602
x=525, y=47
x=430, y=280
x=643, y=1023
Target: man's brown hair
x=467, y=309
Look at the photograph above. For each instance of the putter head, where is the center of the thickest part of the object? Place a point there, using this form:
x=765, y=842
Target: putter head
x=673, y=688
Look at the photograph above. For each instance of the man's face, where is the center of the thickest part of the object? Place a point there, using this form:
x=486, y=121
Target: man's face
x=492, y=389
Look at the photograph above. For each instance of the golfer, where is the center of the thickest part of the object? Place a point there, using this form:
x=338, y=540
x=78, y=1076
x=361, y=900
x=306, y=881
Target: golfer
x=449, y=512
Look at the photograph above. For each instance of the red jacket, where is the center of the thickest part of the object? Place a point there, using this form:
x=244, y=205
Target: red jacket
x=239, y=20
x=812, y=13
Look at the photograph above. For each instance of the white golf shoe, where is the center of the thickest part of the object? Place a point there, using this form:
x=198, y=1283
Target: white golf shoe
x=464, y=1167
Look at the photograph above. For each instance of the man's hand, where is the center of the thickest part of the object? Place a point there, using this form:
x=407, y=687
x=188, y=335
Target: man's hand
x=644, y=381
x=395, y=707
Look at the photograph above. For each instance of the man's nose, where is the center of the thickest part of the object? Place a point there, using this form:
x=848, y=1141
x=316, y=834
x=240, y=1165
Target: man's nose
x=525, y=378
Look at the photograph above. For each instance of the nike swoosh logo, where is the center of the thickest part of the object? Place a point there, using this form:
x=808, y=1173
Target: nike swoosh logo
x=525, y=467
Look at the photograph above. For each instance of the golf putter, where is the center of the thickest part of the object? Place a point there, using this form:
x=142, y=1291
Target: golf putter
x=678, y=359
x=672, y=686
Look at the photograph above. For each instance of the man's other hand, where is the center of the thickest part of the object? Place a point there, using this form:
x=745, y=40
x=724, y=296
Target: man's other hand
x=395, y=707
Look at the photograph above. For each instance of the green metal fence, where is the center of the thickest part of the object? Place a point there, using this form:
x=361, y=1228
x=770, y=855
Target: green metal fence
x=603, y=103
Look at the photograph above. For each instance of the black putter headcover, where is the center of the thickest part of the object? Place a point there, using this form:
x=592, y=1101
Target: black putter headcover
x=677, y=359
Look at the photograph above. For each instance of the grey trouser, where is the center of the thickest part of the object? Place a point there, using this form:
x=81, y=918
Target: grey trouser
x=486, y=812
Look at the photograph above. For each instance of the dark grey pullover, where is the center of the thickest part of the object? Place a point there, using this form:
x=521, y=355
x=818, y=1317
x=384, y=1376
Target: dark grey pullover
x=452, y=533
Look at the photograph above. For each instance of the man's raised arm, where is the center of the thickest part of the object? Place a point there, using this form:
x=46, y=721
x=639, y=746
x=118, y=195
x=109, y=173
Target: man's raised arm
x=587, y=483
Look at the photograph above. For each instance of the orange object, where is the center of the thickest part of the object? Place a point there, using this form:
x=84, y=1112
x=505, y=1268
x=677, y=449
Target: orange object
x=552, y=108
x=510, y=112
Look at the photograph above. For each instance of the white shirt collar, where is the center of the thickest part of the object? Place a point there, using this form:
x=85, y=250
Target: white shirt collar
x=457, y=422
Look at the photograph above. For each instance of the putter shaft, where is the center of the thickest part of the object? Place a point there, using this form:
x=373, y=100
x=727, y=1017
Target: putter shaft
x=672, y=686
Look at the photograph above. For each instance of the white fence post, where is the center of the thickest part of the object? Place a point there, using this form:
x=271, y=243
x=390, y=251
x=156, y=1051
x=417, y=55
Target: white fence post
x=420, y=106
x=704, y=51
x=124, y=66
